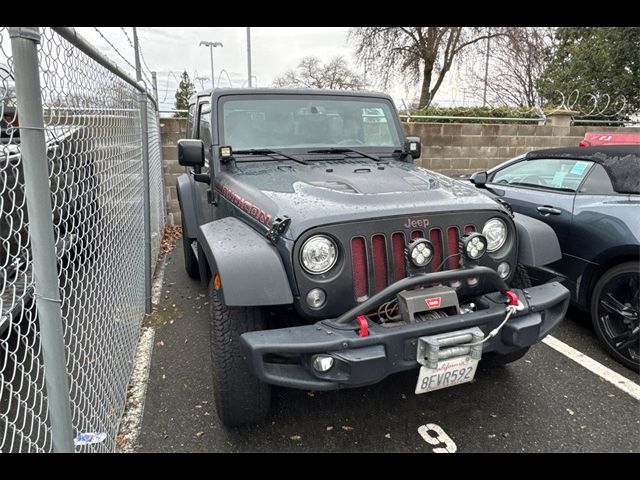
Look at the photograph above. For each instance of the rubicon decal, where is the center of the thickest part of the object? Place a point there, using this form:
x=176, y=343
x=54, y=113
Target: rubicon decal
x=433, y=302
x=245, y=205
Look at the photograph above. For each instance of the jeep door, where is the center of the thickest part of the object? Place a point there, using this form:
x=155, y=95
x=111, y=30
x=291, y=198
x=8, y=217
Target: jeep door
x=202, y=130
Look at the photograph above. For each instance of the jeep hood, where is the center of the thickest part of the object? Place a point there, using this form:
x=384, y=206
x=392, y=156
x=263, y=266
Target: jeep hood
x=326, y=192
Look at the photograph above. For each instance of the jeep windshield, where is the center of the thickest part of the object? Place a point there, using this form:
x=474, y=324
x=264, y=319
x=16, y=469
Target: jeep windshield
x=307, y=122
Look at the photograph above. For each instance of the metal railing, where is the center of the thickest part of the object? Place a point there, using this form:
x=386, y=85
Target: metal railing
x=79, y=214
x=459, y=118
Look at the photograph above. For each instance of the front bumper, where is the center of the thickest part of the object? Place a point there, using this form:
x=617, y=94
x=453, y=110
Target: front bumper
x=283, y=356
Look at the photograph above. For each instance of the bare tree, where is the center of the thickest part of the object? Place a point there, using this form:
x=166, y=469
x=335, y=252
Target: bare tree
x=312, y=73
x=516, y=61
x=415, y=53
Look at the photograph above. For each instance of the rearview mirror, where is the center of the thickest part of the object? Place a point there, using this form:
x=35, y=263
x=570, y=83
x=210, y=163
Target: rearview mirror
x=413, y=147
x=191, y=153
x=479, y=179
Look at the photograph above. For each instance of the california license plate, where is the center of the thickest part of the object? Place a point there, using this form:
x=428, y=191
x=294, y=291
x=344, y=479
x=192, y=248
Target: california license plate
x=447, y=374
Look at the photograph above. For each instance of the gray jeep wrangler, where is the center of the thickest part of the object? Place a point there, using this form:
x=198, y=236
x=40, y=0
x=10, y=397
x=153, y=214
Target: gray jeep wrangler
x=333, y=261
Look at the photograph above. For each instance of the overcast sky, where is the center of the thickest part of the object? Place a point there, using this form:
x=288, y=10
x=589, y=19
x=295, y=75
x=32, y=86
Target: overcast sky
x=273, y=50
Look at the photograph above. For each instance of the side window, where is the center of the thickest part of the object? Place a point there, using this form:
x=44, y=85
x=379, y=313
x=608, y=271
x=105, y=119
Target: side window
x=204, y=128
x=191, y=117
x=598, y=182
x=564, y=175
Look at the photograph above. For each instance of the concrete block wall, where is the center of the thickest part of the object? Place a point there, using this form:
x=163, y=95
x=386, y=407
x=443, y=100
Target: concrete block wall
x=456, y=148
x=448, y=148
x=172, y=130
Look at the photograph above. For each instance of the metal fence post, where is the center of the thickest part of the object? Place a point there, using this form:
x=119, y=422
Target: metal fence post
x=154, y=79
x=145, y=178
x=24, y=42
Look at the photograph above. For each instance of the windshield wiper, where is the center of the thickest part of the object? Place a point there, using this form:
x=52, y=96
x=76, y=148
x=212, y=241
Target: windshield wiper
x=270, y=153
x=345, y=150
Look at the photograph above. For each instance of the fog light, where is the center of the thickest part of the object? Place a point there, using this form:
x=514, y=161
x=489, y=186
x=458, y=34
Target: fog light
x=316, y=298
x=473, y=281
x=322, y=363
x=455, y=284
x=504, y=269
x=420, y=252
x=473, y=245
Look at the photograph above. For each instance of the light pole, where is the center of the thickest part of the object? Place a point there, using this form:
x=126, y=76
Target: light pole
x=211, y=46
x=249, y=55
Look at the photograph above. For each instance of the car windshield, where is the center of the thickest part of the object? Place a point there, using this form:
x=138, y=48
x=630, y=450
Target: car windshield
x=307, y=122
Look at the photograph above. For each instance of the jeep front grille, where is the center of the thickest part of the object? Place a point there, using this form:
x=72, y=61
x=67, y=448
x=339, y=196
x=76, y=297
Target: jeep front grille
x=378, y=261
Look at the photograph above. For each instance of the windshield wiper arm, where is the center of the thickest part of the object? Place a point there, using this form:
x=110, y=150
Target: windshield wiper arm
x=270, y=153
x=345, y=150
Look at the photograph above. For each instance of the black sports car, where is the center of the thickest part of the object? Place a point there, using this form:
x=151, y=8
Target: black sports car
x=591, y=198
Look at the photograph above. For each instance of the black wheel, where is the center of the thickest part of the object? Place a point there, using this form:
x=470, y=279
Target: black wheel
x=493, y=359
x=615, y=313
x=190, y=259
x=520, y=278
x=240, y=397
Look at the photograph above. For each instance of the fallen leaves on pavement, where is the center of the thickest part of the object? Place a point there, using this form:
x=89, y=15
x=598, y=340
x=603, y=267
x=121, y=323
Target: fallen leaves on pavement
x=171, y=234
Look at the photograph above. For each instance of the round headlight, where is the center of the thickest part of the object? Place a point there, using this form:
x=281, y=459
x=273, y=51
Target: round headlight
x=495, y=231
x=420, y=252
x=318, y=254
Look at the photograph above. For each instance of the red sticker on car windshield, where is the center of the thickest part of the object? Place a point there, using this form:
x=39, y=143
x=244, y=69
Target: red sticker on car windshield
x=433, y=302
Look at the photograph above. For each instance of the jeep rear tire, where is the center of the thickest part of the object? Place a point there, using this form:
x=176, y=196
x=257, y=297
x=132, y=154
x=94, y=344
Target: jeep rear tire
x=240, y=397
x=190, y=259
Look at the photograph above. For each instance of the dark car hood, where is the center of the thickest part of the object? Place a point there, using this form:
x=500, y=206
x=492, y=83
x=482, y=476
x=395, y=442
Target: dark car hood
x=325, y=192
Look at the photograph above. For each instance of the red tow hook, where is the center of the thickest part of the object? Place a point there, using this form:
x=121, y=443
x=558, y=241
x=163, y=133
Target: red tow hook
x=364, y=326
x=513, y=298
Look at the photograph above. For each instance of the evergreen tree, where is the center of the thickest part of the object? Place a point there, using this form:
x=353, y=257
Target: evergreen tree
x=185, y=90
x=600, y=62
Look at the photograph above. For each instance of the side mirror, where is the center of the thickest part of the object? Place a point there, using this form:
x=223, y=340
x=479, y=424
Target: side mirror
x=479, y=179
x=413, y=147
x=191, y=153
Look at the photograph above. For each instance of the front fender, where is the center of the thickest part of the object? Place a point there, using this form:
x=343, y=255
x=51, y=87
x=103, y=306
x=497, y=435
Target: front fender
x=537, y=242
x=250, y=268
x=184, y=190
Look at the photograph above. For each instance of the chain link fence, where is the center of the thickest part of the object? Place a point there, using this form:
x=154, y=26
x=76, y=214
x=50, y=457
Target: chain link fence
x=93, y=131
x=156, y=183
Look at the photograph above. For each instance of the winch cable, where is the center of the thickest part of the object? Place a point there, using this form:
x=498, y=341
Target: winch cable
x=512, y=308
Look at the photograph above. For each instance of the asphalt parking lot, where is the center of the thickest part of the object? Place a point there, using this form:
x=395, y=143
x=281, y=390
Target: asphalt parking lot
x=545, y=402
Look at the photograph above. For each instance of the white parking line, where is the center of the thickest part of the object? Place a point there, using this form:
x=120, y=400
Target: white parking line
x=136, y=395
x=156, y=287
x=131, y=422
x=590, y=364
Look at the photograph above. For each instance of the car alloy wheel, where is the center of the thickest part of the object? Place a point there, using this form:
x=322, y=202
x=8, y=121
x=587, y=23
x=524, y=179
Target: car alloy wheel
x=618, y=314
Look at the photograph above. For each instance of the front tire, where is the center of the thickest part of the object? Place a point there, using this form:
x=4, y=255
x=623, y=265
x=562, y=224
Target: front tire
x=240, y=397
x=615, y=313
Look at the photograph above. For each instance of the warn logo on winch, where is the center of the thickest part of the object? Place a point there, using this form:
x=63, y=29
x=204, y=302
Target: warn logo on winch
x=433, y=302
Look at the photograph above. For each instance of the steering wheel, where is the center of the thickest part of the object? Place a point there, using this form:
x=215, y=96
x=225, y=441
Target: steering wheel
x=350, y=141
x=536, y=180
